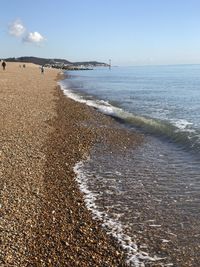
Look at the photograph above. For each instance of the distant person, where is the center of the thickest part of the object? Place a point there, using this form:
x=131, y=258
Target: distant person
x=42, y=69
x=4, y=65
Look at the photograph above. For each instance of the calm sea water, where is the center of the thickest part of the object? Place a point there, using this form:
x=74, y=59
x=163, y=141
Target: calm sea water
x=149, y=199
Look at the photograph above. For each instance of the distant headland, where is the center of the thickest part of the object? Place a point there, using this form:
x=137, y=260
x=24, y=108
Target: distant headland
x=58, y=63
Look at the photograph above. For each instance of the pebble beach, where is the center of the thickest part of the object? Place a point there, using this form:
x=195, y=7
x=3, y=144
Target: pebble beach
x=43, y=134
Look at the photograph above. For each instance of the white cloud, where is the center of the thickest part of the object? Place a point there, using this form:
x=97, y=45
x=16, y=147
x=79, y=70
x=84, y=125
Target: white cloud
x=34, y=37
x=16, y=28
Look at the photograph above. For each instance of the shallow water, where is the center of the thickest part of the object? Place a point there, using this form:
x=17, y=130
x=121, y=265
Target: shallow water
x=147, y=197
x=163, y=100
x=147, y=192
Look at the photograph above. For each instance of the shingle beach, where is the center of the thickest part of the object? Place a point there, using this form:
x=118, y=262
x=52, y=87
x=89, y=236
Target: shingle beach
x=44, y=221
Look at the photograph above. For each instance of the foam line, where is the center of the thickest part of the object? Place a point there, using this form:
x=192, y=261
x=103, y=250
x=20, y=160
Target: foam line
x=135, y=257
x=177, y=130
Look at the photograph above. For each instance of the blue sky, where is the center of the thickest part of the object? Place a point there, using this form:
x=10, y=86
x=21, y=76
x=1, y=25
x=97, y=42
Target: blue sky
x=130, y=32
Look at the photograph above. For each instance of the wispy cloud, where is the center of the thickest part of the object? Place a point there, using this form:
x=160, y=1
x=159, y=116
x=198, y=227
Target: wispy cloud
x=16, y=28
x=33, y=37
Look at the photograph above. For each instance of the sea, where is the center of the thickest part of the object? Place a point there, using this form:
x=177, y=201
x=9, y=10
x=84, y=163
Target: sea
x=149, y=198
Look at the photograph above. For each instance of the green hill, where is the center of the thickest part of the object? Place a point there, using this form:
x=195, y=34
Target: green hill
x=44, y=61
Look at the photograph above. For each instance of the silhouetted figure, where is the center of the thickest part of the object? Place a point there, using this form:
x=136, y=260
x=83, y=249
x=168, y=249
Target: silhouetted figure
x=42, y=69
x=4, y=65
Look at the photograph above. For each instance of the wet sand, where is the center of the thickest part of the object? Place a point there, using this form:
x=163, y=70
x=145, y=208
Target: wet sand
x=44, y=221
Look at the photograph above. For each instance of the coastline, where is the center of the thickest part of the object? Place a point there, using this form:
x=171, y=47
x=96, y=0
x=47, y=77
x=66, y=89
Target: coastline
x=148, y=189
x=47, y=188
x=78, y=238
x=44, y=221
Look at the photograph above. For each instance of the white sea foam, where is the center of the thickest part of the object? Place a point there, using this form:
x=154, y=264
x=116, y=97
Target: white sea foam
x=108, y=109
x=135, y=257
x=182, y=124
x=101, y=105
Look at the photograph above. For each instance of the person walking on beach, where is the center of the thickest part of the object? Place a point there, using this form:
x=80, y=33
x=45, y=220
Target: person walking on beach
x=4, y=65
x=42, y=69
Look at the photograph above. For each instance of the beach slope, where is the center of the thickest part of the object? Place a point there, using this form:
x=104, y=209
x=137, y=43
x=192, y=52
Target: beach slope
x=44, y=221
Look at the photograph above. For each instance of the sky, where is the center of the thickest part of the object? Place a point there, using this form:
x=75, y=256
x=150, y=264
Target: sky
x=129, y=32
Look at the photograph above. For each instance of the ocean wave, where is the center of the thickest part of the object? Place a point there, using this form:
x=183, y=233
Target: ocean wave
x=179, y=131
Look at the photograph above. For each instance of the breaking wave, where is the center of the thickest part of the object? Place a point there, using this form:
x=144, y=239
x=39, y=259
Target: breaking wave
x=178, y=131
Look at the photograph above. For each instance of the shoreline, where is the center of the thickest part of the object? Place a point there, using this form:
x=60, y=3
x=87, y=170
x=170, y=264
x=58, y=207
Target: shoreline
x=160, y=247
x=81, y=240
x=44, y=221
